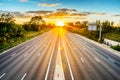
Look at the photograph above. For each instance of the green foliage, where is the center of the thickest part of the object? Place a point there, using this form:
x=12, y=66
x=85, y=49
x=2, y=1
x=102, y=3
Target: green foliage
x=116, y=47
x=33, y=27
x=10, y=30
x=108, y=30
x=12, y=34
x=7, y=18
x=17, y=40
x=36, y=24
x=106, y=27
x=113, y=36
x=36, y=20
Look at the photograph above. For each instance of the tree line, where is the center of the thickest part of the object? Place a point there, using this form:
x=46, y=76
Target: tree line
x=82, y=29
x=9, y=29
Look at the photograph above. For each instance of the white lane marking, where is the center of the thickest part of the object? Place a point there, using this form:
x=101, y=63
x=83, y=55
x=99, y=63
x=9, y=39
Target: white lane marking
x=89, y=70
x=13, y=54
x=82, y=59
x=94, y=48
x=24, y=76
x=59, y=73
x=2, y=75
x=97, y=59
x=68, y=62
x=35, y=46
x=74, y=48
x=25, y=54
x=84, y=48
x=25, y=46
x=111, y=60
x=49, y=62
x=38, y=54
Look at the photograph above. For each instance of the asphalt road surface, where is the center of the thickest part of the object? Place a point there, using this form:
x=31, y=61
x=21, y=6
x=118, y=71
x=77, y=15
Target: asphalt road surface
x=59, y=55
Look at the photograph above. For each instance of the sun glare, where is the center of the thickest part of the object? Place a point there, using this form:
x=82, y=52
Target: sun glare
x=60, y=23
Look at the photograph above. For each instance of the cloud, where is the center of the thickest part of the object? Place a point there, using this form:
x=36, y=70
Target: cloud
x=66, y=15
x=94, y=13
x=40, y=12
x=48, y=4
x=23, y=0
x=15, y=14
x=65, y=10
x=117, y=15
x=79, y=14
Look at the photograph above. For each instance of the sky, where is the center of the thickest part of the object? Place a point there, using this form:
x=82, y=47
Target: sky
x=109, y=7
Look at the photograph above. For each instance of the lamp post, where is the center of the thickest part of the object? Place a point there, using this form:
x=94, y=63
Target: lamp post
x=93, y=26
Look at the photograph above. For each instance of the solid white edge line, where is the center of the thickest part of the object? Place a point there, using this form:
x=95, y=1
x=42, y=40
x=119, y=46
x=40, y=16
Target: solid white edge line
x=49, y=62
x=13, y=54
x=110, y=59
x=82, y=59
x=97, y=59
x=25, y=54
x=59, y=62
x=117, y=53
x=20, y=44
x=24, y=76
x=68, y=63
x=38, y=55
x=2, y=75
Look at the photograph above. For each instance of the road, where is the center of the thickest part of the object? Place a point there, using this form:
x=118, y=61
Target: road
x=59, y=55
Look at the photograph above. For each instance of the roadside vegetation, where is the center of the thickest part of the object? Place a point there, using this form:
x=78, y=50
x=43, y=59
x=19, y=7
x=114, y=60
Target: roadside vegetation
x=12, y=34
x=108, y=31
x=116, y=47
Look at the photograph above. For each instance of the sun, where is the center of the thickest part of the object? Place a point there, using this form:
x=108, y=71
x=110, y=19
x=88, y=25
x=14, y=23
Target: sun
x=60, y=23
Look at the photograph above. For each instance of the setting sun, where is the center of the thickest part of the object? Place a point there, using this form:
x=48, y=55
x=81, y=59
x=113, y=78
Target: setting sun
x=60, y=23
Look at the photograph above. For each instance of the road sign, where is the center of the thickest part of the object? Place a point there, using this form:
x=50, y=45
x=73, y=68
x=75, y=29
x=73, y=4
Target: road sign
x=92, y=27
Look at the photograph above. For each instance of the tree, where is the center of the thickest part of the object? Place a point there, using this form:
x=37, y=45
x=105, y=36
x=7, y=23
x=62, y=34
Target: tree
x=84, y=24
x=77, y=24
x=6, y=18
x=112, y=23
x=8, y=29
x=106, y=27
x=36, y=20
x=36, y=24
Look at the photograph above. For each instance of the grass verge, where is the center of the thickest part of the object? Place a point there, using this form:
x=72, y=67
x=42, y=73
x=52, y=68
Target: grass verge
x=15, y=41
x=116, y=47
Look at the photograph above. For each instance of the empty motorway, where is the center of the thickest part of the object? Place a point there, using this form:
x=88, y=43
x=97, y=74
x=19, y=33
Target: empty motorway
x=59, y=55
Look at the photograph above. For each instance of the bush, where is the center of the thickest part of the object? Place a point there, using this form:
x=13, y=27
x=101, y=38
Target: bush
x=10, y=30
x=33, y=27
x=116, y=47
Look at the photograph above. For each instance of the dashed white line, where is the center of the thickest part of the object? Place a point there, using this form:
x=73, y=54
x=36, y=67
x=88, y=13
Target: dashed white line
x=46, y=76
x=39, y=54
x=25, y=54
x=2, y=75
x=84, y=48
x=25, y=46
x=97, y=59
x=24, y=76
x=13, y=54
x=74, y=48
x=68, y=62
x=78, y=43
x=111, y=60
x=35, y=46
x=82, y=59
x=94, y=48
